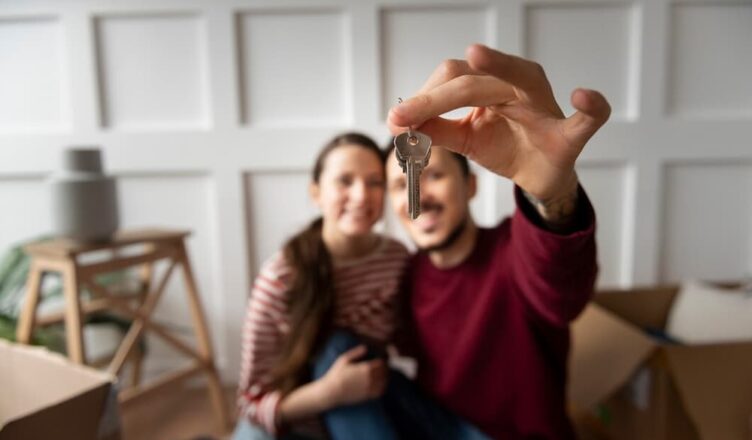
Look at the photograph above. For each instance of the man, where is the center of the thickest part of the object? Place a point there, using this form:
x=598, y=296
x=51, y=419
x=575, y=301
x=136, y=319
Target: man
x=490, y=308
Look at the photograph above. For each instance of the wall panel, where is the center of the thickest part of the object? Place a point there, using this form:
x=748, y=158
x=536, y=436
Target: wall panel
x=707, y=218
x=561, y=38
x=415, y=40
x=606, y=185
x=152, y=72
x=707, y=40
x=27, y=207
x=33, y=81
x=278, y=207
x=287, y=79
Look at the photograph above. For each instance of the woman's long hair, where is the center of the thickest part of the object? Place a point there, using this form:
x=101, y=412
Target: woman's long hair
x=311, y=297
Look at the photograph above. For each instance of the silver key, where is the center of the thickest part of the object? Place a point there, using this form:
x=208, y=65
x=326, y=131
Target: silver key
x=413, y=150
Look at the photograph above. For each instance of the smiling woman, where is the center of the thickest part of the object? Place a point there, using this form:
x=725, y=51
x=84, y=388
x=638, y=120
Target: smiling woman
x=335, y=274
x=349, y=191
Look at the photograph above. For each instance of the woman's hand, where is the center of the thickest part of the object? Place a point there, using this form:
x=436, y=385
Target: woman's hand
x=351, y=381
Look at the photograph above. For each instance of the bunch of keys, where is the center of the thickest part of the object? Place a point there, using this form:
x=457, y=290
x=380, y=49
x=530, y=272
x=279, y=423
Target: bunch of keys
x=413, y=150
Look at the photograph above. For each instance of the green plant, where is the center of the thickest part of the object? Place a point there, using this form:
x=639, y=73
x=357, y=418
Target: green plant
x=14, y=268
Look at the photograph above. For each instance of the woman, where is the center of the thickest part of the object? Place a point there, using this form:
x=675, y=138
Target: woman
x=332, y=282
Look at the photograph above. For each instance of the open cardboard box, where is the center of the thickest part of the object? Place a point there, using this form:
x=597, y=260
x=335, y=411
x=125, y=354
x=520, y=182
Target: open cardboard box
x=650, y=389
x=45, y=396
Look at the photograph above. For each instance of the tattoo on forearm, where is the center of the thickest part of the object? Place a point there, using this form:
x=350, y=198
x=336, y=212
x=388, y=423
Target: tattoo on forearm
x=557, y=212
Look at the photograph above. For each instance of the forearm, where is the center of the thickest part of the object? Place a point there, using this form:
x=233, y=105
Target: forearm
x=559, y=210
x=554, y=270
x=306, y=401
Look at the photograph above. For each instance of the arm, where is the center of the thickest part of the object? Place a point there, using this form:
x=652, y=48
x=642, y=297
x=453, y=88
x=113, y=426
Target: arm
x=266, y=313
x=558, y=211
x=347, y=381
x=262, y=339
x=554, y=270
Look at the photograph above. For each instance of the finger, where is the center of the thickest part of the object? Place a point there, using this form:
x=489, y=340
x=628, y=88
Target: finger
x=353, y=354
x=446, y=133
x=593, y=110
x=463, y=91
x=447, y=70
x=519, y=72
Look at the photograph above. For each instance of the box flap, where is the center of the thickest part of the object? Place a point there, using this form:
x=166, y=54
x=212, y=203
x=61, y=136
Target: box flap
x=645, y=307
x=606, y=350
x=76, y=418
x=715, y=385
x=33, y=379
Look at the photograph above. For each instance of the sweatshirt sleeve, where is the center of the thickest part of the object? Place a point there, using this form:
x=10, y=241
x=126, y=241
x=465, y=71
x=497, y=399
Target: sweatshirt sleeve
x=554, y=272
x=266, y=321
x=405, y=335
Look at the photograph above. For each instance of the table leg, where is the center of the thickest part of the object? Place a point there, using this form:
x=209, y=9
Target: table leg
x=73, y=321
x=28, y=315
x=202, y=337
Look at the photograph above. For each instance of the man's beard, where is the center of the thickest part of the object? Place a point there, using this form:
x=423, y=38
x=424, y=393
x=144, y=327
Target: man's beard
x=449, y=240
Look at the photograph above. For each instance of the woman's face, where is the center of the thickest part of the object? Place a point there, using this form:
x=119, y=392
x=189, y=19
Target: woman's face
x=350, y=190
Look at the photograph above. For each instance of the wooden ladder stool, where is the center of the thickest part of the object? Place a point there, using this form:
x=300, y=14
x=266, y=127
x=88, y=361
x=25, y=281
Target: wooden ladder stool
x=65, y=257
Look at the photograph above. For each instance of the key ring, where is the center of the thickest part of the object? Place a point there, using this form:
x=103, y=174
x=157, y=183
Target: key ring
x=411, y=138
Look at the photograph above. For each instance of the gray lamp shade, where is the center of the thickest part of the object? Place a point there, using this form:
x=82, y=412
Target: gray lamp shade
x=84, y=199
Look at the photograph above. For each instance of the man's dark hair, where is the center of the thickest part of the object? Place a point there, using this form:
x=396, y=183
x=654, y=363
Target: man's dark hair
x=461, y=160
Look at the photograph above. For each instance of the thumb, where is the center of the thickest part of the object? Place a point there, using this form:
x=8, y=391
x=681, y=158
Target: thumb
x=592, y=112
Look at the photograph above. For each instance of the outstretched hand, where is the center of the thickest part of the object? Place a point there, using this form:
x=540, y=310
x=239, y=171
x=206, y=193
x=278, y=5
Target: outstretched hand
x=516, y=128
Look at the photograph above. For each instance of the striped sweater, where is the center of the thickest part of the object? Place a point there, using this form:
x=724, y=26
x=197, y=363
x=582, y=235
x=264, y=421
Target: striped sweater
x=366, y=295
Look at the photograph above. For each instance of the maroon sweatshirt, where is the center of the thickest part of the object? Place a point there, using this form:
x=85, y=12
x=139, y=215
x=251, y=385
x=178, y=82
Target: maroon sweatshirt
x=493, y=332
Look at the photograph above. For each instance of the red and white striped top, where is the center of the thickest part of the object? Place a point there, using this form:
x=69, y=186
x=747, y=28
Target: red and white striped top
x=366, y=290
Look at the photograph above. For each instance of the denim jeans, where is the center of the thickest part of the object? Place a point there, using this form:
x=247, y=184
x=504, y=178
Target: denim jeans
x=403, y=412
x=244, y=430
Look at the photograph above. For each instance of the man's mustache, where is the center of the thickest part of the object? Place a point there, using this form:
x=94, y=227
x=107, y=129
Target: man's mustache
x=430, y=205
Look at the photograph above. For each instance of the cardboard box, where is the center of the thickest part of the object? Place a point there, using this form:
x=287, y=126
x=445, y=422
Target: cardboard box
x=44, y=396
x=647, y=388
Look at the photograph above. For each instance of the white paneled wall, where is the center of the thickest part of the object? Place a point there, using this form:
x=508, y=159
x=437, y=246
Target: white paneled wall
x=210, y=113
x=598, y=43
x=406, y=32
x=712, y=82
x=606, y=185
x=307, y=51
x=708, y=216
x=152, y=72
x=27, y=198
x=41, y=104
x=271, y=219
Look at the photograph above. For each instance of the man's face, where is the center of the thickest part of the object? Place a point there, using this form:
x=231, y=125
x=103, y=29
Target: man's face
x=445, y=193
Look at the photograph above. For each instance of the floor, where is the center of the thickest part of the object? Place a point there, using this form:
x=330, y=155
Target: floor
x=184, y=414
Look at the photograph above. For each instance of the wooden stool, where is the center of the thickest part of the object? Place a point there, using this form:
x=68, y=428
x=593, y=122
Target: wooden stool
x=64, y=256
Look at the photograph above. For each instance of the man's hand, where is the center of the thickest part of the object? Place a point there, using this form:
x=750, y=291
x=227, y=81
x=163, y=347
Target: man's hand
x=516, y=128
